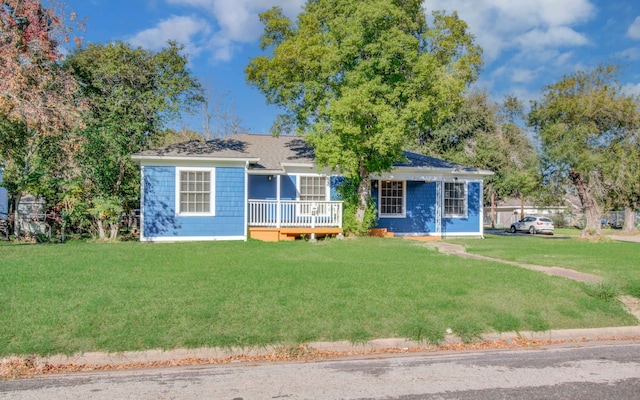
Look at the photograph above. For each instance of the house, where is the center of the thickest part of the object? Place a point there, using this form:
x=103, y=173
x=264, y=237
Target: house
x=508, y=211
x=4, y=200
x=268, y=188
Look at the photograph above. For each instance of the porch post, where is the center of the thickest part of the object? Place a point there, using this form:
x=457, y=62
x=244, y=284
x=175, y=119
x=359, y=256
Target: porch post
x=279, y=205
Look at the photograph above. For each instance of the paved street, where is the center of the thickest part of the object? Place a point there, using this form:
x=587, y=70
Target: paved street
x=587, y=371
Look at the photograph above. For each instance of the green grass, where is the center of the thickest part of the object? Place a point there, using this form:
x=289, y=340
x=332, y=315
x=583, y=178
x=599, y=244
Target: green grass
x=81, y=297
x=618, y=263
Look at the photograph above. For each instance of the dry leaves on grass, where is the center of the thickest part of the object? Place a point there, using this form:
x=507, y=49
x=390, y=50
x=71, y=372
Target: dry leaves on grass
x=14, y=368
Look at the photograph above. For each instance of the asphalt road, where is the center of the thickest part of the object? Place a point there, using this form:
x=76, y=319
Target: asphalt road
x=590, y=371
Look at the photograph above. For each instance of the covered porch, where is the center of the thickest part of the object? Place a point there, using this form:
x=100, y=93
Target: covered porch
x=274, y=220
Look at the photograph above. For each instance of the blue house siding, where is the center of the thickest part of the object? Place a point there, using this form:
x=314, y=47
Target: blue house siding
x=262, y=188
x=159, y=202
x=471, y=224
x=420, y=210
x=4, y=198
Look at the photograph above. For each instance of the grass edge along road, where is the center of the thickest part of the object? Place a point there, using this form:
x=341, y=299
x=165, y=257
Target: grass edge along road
x=83, y=297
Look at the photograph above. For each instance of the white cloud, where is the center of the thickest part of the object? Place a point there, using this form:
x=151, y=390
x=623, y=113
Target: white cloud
x=237, y=21
x=182, y=29
x=500, y=25
x=634, y=30
x=553, y=37
x=632, y=54
x=632, y=89
x=523, y=75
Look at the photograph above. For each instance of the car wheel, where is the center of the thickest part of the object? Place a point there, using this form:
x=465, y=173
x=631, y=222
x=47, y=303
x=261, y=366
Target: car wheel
x=513, y=229
x=532, y=230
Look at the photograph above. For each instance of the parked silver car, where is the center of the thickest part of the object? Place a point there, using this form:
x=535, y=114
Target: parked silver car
x=533, y=225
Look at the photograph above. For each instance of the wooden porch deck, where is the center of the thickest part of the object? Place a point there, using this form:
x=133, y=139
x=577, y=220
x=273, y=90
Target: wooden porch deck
x=277, y=234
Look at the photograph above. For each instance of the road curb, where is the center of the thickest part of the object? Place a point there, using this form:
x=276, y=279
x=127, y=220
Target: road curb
x=377, y=345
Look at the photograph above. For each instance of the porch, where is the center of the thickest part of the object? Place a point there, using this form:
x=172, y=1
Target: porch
x=274, y=220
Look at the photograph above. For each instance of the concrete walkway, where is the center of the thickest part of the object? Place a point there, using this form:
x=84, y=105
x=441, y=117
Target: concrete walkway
x=631, y=303
x=458, y=250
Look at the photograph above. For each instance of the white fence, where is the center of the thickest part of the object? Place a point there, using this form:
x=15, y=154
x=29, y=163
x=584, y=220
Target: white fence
x=295, y=214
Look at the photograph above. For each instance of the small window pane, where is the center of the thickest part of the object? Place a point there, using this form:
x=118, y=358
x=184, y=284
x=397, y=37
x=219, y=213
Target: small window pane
x=455, y=199
x=391, y=198
x=195, y=191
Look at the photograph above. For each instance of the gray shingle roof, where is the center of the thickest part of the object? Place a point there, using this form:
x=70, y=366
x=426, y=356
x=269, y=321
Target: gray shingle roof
x=271, y=152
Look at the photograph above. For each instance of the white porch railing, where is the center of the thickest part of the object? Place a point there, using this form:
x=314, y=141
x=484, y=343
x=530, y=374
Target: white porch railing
x=295, y=214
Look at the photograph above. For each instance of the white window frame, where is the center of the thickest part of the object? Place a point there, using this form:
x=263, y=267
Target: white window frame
x=403, y=214
x=465, y=199
x=212, y=191
x=322, y=210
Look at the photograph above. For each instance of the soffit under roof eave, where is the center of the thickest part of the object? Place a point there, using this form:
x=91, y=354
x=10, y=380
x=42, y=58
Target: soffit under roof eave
x=428, y=173
x=165, y=159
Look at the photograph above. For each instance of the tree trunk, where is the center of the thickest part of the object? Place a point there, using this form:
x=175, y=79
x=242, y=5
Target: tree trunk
x=364, y=192
x=629, y=219
x=590, y=206
x=114, y=232
x=101, y=232
x=493, y=211
x=16, y=215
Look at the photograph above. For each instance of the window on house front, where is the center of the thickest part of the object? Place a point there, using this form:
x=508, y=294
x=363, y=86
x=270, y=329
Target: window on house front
x=455, y=199
x=391, y=198
x=313, y=189
x=195, y=195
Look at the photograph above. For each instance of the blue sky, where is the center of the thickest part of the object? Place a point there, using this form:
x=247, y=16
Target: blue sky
x=527, y=43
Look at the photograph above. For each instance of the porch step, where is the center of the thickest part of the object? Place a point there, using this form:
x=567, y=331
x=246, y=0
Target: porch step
x=380, y=232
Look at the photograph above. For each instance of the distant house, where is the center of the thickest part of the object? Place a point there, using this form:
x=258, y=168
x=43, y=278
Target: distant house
x=4, y=199
x=511, y=210
x=269, y=188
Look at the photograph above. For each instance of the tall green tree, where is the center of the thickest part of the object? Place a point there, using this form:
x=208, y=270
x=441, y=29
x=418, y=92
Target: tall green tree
x=357, y=78
x=577, y=120
x=131, y=94
x=488, y=135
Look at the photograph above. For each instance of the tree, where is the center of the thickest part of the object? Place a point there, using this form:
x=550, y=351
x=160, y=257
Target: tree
x=357, y=78
x=36, y=100
x=168, y=137
x=218, y=116
x=131, y=93
x=577, y=120
x=33, y=87
x=487, y=135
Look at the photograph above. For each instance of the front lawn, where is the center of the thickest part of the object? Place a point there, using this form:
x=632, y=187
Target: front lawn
x=81, y=297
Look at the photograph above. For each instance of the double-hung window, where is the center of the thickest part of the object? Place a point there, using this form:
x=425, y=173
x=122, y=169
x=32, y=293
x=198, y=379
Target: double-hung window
x=313, y=189
x=391, y=197
x=455, y=199
x=195, y=191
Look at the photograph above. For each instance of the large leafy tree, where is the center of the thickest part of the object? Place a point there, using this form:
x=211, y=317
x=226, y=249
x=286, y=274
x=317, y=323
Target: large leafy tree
x=36, y=100
x=131, y=94
x=486, y=134
x=357, y=78
x=578, y=120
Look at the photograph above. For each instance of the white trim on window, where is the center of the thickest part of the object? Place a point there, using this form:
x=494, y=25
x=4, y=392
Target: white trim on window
x=454, y=199
x=201, y=195
x=394, y=196
x=316, y=187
